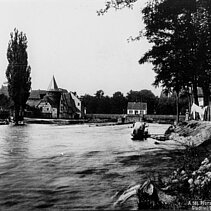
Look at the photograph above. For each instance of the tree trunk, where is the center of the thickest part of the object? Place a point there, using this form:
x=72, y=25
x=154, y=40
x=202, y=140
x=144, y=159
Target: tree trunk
x=206, y=94
x=177, y=106
x=21, y=113
x=190, y=102
x=16, y=117
x=195, y=94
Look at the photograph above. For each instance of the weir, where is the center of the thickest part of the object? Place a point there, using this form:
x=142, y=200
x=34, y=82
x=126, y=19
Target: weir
x=134, y=118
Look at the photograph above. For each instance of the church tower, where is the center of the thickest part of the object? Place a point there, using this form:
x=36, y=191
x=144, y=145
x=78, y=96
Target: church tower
x=54, y=94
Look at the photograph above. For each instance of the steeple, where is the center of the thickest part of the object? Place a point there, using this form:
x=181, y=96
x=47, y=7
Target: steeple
x=53, y=85
x=54, y=95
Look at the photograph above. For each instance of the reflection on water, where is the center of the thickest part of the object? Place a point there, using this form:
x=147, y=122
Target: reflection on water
x=71, y=167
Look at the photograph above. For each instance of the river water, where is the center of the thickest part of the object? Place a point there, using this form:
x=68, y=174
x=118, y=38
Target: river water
x=73, y=167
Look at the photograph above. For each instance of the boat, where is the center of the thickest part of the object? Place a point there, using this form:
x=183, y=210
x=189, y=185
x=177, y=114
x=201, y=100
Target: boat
x=139, y=131
x=140, y=136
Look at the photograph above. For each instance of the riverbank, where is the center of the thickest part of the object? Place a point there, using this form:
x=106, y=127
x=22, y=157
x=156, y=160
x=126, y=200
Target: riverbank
x=188, y=186
x=186, y=134
x=161, y=119
x=54, y=121
x=93, y=122
x=106, y=119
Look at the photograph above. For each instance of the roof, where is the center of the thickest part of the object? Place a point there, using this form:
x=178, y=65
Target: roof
x=37, y=94
x=63, y=90
x=137, y=106
x=75, y=98
x=74, y=94
x=33, y=103
x=70, y=103
x=53, y=102
x=53, y=85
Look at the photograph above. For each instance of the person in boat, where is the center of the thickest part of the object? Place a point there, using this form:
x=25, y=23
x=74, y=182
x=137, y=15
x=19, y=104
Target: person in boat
x=139, y=130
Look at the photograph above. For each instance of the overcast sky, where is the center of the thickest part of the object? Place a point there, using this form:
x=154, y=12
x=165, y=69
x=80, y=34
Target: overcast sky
x=84, y=52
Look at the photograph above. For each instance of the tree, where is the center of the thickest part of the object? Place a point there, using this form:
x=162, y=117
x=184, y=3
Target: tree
x=202, y=21
x=116, y=4
x=167, y=102
x=170, y=29
x=99, y=94
x=18, y=73
x=166, y=105
x=118, y=103
x=181, y=52
x=180, y=32
x=4, y=102
x=100, y=104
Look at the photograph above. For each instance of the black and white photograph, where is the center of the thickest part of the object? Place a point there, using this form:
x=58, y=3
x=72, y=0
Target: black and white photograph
x=105, y=105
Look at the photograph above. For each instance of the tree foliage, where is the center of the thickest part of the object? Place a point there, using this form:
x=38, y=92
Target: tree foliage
x=116, y=4
x=18, y=73
x=180, y=33
x=4, y=102
x=117, y=104
x=100, y=104
x=167, y=104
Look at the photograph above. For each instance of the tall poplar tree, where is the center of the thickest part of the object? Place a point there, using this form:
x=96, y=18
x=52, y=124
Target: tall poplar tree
x=18, y=73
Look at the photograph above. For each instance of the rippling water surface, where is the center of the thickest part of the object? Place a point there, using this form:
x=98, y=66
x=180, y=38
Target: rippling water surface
x=72, y=167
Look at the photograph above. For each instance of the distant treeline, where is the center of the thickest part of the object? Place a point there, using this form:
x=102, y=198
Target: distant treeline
x=117, y=104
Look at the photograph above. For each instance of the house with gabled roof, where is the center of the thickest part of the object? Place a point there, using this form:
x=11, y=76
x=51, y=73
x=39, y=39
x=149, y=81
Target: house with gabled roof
x=48, y=107
x=35, y=97
x=136, y=108
x=55, y=102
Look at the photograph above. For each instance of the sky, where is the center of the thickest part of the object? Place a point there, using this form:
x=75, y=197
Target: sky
x=85, y=52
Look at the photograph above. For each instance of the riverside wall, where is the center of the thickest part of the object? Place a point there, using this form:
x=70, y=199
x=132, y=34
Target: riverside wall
x=133, y=118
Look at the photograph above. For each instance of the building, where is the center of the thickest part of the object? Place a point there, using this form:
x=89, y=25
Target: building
x=4, y=90
x=35, y=97
x=55, y=102
x=78, y=104
x=68, y=107
x=136, y=108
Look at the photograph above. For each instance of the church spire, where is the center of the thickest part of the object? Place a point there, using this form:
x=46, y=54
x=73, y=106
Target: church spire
x=53, y=85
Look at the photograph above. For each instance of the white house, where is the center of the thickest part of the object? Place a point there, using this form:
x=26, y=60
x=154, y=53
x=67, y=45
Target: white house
x=136, y=108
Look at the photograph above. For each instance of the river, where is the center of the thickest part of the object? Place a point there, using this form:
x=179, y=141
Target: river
x=73, y=166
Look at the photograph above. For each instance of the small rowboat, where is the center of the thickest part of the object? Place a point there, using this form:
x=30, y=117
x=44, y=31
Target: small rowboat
x=139, y=132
